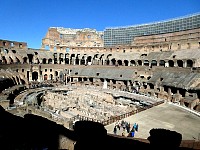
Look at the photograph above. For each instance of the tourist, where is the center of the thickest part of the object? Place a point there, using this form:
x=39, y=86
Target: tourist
x=117, y=125
x=124, y=127
x=132, y=132
x=128, y=127
x=115, y=130
x=136, y=128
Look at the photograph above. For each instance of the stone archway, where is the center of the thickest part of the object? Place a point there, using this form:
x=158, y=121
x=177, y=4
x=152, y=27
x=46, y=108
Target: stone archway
x=171, y=63
x=139, y=62
x=61, y=76
x=30, y=57
x=17, y=60
x=189, y=63
x=14, y=81
x=11, y=60
x=44, y=61
x=113, y=61
x=4, y=61
x=22, y=81
x=34, y=76
x=180, y=63
x=89, y=60
x=25, y=60
x=132, y=63
x=51, y=77
x=83, y=60
x=18, y=80
x=154, y=62
x=126, y=62
x=119, y=62
x=45, y=77
x=162, y=63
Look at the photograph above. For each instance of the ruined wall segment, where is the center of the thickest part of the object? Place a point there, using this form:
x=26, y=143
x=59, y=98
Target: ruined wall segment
x=164, y=65
x=12, y=44
x=62, y=39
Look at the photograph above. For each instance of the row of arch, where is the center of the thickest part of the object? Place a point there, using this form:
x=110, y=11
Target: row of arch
x=35, y=76
x=89, y=60
x=10, y=79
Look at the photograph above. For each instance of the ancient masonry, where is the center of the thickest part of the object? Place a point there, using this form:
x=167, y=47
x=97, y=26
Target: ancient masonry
x=104, y=74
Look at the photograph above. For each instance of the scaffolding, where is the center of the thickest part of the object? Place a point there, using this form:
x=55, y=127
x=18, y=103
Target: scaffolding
x=125, y=35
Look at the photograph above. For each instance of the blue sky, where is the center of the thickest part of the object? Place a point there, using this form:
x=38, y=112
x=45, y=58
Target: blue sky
x=29, y=20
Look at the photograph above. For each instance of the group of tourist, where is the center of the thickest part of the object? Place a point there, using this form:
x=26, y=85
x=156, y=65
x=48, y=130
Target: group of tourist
x=126, y=128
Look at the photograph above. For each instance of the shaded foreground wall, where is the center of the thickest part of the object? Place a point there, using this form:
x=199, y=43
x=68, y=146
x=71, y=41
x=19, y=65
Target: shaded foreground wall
x=33, y=132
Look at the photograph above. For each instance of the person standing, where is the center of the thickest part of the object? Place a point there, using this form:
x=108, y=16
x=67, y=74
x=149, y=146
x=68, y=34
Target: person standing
x=115, y=130
x=136, y=127
x=133, y=132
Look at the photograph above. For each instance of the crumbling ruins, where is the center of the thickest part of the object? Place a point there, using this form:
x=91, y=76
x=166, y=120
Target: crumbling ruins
x=87, y=74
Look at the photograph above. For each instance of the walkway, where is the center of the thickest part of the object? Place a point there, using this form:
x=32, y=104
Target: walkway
x=165, y=116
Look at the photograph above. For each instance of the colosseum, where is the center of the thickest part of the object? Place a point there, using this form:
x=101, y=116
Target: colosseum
x=104, y=76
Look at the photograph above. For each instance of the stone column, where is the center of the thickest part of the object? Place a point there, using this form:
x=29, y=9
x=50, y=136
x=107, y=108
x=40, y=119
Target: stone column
x=184, y=64
x=30, y=76
x=73, y=61
x=169, y=92
x=105, y=84
x=175, y=64
x=166, y=64
x=143, y=63
x=79, y=62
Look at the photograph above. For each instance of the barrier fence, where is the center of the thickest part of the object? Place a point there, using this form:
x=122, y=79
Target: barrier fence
x=115, y=118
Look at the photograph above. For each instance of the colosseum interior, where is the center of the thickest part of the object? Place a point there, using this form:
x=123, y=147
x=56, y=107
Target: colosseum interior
x=73, y=76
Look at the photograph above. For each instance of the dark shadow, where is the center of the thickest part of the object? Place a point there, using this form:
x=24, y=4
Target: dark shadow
x=37, y=133
x=30, y=133
x=164, y=139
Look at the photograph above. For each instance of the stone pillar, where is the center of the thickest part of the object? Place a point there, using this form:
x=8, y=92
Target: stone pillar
x=161, y=89
x=69, y=61
x=40, y=78
x=175, y=64
x=169, y=92
x=30, y=76
x=105, y=84
x=177, y=91
x=143, y=63
x=129, y=86
x=73, y=61
x=184, y=64
x=169, y=95
x=166, y=64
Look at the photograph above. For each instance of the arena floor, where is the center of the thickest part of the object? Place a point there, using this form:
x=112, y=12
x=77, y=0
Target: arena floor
x=167, y=116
